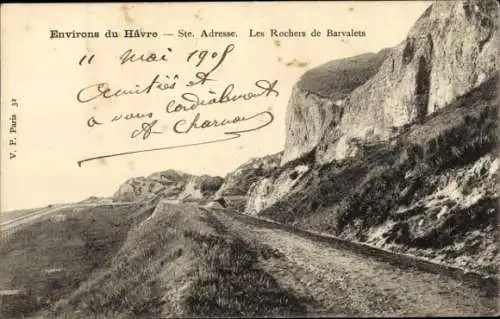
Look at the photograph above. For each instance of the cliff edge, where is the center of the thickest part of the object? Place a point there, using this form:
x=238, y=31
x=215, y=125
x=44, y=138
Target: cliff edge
x=450, y=50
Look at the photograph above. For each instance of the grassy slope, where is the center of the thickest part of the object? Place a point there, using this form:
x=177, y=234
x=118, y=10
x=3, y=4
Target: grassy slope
x=50, y=258
x=117, y=264
x=337, y=78
x=348, y=199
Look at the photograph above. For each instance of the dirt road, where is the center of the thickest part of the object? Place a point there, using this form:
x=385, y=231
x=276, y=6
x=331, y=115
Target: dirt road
x=343, y=283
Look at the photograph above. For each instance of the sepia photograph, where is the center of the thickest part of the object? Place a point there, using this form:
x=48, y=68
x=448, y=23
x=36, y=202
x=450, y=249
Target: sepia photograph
x=249, y=159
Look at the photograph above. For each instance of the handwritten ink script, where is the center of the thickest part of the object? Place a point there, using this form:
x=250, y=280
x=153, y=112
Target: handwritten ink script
x=188, y=97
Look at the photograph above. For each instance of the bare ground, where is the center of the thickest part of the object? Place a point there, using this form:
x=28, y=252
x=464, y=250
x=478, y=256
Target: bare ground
x=342, y=283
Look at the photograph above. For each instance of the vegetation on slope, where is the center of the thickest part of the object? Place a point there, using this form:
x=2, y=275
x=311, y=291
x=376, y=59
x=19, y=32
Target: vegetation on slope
x=383, y=186
x=49, y=259
x=229, y=281
x=338, y=78
x=238, y=182
x=137, y=263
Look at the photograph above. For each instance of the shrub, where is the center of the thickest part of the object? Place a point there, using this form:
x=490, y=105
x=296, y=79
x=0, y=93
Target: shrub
x=210, y=185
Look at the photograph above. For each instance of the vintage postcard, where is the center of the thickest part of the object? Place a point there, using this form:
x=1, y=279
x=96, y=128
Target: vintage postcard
x=245, y=159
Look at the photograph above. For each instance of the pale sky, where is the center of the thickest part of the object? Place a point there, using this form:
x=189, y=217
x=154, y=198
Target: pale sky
x=44, y=76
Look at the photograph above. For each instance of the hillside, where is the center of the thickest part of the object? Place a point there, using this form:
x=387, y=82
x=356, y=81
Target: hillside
x=230, y=191
x=319, y=97
x=50, y=258
x=238, y=182
x=431, y=191
x=141, y=261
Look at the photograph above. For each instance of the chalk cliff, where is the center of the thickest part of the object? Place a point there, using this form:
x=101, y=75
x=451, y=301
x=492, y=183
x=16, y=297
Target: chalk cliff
x=449, y=50
x=399, y=148
x=319, y=97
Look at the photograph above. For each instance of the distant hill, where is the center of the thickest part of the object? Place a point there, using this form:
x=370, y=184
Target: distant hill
x=169, y=185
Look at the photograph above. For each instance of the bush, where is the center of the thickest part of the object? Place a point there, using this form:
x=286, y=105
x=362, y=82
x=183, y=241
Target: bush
x=210, y=185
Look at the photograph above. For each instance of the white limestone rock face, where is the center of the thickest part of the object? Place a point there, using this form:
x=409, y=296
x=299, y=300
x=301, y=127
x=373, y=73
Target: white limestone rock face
x=449, y=50
x=308, y=117
x=268, y=191
x=318, y=100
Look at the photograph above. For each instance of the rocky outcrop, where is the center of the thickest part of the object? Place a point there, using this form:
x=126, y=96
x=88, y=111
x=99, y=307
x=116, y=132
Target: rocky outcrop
x=269, y=190
x=317, y=101
x=201, y=187
x=449, y=50
x=280, y=183
x=457, y=220
x=175, y=186
x=396, y=148
x=168, y=185
x=238, y=182
x=233, y=193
